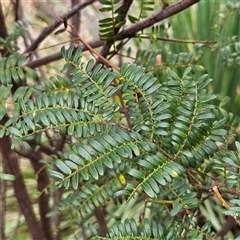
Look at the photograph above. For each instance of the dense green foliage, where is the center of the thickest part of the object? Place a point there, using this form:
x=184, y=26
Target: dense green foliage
x=148, y=143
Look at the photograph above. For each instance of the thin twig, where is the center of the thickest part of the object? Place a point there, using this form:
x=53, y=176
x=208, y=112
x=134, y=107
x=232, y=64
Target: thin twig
x=219, y=196
x=159, y=201
x=52, y=46
x=124, y=109
x=57, y=56
x=207, y=42
x=92, y=50
x=215, y=189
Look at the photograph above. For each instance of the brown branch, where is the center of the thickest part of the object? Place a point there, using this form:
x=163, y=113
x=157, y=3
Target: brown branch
x=76, y=17
x=76, y=24
x=43, y=200
x=20, y=191
x=17, y=10
x=58, y=56
x=48, y=30
x=100, y=217
x=57, y=195
x=162, y=14
x=230, y=222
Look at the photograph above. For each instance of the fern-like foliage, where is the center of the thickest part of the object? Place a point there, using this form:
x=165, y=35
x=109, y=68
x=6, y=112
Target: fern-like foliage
x=18, y=29
x=88, y=197
x=149, y=230
x=109, y=26
x=149, y=60
x=173, y=132
x=13, y=70
x=230, y=51
x=142, y=8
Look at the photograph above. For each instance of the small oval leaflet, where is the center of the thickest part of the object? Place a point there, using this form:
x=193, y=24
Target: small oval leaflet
x=63, y=167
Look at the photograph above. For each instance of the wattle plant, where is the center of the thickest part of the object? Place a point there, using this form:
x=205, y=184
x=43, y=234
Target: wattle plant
x=129, y=139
